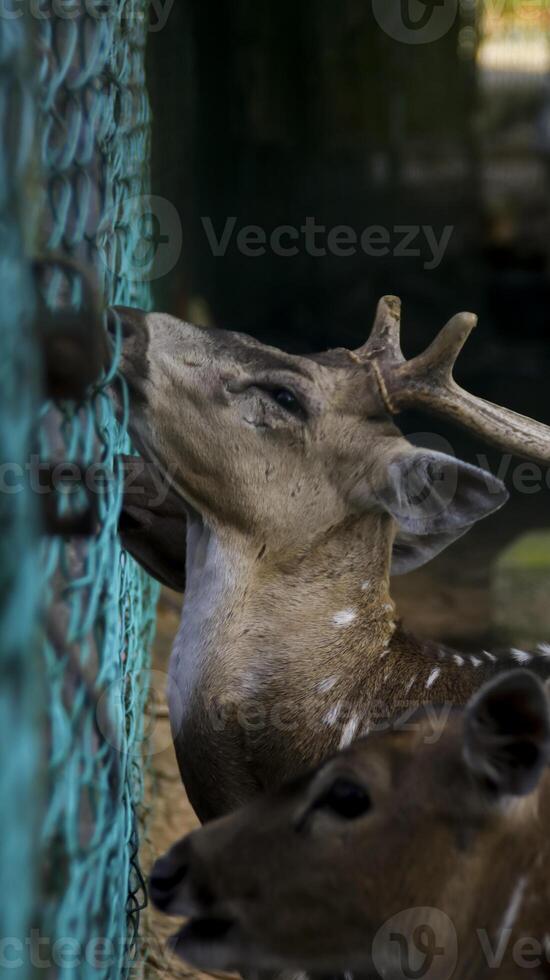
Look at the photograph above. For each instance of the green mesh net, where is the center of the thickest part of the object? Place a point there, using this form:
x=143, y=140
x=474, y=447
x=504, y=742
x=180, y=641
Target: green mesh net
x=75, y=170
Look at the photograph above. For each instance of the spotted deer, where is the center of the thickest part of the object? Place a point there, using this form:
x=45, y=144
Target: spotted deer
x=298, y=496
x=398, y=857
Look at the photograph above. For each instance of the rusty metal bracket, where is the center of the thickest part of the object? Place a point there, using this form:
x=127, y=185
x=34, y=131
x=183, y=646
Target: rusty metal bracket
x=74, y=344
x=81, y=522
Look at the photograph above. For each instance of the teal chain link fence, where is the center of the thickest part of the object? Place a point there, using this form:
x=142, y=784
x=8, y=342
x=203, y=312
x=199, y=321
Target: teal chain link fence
x=75, y=184
x=20, y=753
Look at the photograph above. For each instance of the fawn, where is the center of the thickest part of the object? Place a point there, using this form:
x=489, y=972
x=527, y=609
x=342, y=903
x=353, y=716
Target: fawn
x=398, y=857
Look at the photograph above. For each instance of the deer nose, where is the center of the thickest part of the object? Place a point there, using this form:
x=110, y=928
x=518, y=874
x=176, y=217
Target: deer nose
x=129, y=321
x=165, y=882
x=128, y=328
x=179, y=882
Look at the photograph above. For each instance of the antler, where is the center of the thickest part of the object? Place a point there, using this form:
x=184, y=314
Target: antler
x=427, y=382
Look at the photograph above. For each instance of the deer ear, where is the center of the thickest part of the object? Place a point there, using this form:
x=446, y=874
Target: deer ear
x=507, y=734
x=434, y=499
x=152, y=523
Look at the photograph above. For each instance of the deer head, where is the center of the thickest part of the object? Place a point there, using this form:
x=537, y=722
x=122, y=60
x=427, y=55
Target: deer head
x=340, y=869
x=282, y=447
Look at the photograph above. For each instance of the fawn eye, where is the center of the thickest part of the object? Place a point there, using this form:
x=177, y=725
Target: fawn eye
x=346, y=799
x=287, y=400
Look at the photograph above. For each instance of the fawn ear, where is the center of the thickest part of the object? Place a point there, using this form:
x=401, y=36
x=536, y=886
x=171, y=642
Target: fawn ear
x=507, y=734
x=152, y=523
x=434, y=499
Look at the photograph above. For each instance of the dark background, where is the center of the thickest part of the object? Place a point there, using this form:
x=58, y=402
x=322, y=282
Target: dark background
x=275, y=111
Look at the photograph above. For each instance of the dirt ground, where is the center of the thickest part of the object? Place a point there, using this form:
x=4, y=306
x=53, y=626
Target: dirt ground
x=169, y=814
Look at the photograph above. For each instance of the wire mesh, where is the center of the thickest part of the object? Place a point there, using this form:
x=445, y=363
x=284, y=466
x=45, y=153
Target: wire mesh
x=19, y=663
x=78, y=118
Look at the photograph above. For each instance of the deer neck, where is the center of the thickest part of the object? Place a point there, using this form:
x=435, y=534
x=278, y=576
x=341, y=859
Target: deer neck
x=243, y=601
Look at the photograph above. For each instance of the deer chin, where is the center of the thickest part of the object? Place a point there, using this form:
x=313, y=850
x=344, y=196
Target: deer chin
x=214, y=943
x=220, y=943
x=140, y=435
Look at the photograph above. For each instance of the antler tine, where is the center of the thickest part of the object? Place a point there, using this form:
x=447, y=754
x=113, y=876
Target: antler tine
x=427, y=382
x=385, y=339
x=441, y=356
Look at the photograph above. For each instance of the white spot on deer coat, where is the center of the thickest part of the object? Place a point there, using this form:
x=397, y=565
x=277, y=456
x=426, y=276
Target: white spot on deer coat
x=514, y=905
x=331, y=716
x=345, y=617
x=349, y=732
x=490, y=656
x=433, y=677
x=544, y=648
x=366, y=585
x=475, y=661
x=459, y=661
x=327, y=684
x=410, y=684
x=521, y=656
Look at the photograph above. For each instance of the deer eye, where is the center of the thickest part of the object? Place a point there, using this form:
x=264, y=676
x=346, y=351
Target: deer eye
x=345, y=799
x=287, y=400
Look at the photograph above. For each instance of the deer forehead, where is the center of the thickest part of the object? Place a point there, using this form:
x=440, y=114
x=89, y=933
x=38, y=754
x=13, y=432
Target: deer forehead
x=167, y=338
x=392, y=752
x=172, y=349
x=410, y=755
